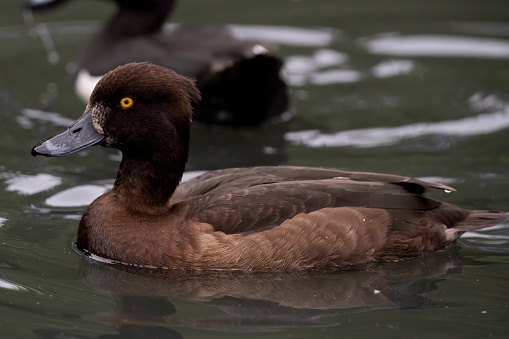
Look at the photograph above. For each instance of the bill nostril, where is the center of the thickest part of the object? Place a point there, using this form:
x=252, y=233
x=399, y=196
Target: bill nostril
x=77, y=130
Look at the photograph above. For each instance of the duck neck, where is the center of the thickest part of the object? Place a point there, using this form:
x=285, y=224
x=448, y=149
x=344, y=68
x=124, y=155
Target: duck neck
x=145, y=184
x=138, y=17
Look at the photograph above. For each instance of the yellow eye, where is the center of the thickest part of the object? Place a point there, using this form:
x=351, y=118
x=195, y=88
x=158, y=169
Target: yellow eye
x=126, y=102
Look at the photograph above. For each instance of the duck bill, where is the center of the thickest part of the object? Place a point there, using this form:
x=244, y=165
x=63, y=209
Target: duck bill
x=80, y=135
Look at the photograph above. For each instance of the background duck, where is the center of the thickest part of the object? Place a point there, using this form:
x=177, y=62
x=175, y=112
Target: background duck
x=239, y=80
x=256, y=219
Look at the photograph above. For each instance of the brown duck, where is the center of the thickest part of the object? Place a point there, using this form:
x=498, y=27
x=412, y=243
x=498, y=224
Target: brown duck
x=259, y=219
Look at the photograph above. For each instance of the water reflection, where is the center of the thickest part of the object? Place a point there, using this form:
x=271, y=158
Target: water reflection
x=327, y=67
x=488, y=239
x=235, y=302
x=29, y=114
x=392, y=67
x=30, y=184
x=437, y=46
x=296, y=36
x=8, y=285
x=76, y=196
x=382, y=136
x=301, y=70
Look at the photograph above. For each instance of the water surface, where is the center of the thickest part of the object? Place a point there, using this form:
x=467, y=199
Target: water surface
x=407, y=87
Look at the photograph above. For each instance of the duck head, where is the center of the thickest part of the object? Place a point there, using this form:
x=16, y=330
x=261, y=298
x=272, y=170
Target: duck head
x=139, y=108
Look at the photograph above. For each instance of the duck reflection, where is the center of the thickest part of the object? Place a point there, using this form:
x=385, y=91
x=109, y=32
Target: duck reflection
x=145, y=299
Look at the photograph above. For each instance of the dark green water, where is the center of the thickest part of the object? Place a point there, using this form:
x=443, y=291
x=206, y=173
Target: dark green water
x=408, y=87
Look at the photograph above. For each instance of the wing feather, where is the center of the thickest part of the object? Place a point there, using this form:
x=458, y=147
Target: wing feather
x=242, y=208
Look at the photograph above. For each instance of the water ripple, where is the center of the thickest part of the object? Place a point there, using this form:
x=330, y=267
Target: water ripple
x=76, y=196
x=383, y=136
x=30, y=184
x=12, y=286
x=29, y=114
x=437, y=46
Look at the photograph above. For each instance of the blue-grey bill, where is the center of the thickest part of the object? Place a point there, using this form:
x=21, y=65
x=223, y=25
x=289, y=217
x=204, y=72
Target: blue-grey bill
x=78, y=136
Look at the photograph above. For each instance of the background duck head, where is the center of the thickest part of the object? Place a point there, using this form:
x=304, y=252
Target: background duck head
x=239, y=80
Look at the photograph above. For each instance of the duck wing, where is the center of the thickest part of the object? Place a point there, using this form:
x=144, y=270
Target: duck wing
x=247, y=177
x=248, y=200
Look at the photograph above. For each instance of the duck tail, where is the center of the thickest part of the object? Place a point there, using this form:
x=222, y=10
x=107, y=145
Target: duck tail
x=478, y=219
